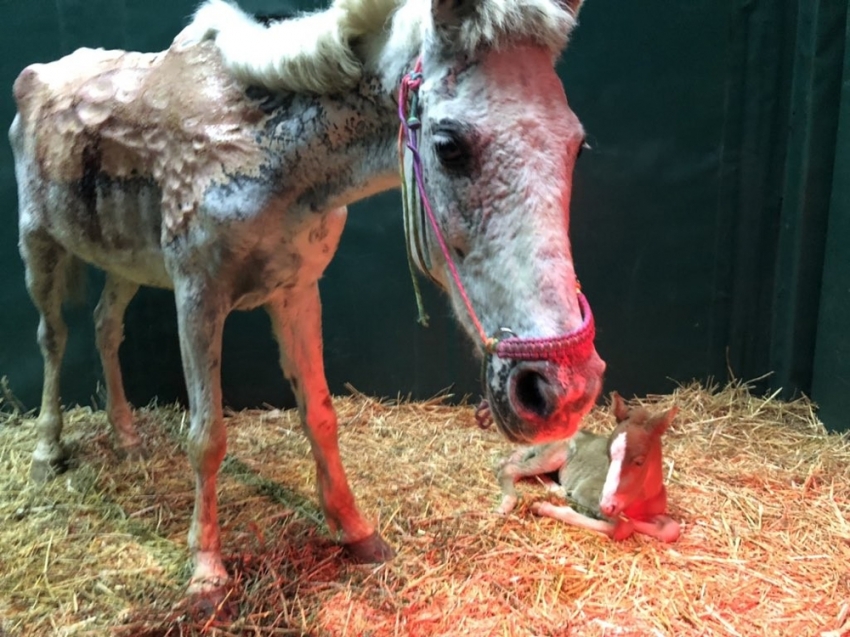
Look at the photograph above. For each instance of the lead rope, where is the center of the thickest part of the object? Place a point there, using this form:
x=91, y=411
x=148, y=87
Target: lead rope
x=408, y=201
x=409, y=124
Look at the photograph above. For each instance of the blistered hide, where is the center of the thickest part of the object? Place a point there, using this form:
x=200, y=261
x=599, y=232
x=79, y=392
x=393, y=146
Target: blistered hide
x=127, y=115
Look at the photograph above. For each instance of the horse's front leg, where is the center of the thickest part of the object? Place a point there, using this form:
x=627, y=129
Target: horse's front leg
x=297, y=320
x=201, y=311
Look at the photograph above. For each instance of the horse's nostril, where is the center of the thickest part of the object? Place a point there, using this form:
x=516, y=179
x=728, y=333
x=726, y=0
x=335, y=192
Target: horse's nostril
x=533, y=393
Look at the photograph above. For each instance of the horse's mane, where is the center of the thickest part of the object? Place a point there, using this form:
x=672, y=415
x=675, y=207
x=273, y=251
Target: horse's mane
x=325, y=51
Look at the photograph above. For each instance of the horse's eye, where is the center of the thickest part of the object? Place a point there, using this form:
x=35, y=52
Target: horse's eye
x=638, y=461
x=450, y=151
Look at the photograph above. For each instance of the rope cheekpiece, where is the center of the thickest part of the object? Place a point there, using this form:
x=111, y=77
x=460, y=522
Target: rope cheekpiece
x=570, y=350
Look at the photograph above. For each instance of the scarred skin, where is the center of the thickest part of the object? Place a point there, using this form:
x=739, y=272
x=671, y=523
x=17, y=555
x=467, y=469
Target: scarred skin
x=615, y=498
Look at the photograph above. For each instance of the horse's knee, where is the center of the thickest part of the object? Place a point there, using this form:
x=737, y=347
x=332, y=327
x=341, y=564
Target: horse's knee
x=207, y=444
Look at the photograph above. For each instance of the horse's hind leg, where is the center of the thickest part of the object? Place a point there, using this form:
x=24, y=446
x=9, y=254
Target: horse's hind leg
x=48, y=266
x=109, y=326
x=297, y=321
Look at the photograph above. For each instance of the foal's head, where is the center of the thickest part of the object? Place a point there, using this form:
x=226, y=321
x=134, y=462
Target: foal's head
x=635, y=472
x=499, y=143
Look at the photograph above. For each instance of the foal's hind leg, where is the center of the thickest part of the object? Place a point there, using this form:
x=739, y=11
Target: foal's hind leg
x=109, y=326
x=571, y=516
x=47, y=267
x=297, y=322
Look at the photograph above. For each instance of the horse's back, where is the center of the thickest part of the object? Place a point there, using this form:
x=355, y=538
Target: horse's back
x=173, y=118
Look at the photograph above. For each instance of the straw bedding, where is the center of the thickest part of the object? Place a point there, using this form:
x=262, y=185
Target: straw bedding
x=761, y=488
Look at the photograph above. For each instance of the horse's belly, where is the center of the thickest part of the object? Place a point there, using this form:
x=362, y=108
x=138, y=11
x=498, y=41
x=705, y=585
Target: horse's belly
x=114, y=225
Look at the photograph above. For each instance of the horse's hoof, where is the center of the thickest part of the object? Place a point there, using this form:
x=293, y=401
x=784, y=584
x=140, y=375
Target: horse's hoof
x=45, y=470
x=213, y=603
x=370, y=550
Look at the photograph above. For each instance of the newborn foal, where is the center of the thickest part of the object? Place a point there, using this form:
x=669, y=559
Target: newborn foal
x=615, y=483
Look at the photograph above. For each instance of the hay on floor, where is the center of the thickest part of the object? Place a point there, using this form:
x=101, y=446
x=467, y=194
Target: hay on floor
x=761, y=488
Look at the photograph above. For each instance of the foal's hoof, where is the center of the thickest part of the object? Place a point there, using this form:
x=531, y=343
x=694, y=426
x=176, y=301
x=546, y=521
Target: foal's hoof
x=45, y=470
x=370, y=550
x=134, y=453
x=508, y=504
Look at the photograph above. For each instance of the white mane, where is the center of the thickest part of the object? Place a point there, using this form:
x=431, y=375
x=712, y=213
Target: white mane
x=326, y=51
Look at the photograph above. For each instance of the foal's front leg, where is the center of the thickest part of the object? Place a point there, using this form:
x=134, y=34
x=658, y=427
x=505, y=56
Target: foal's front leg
x=661, y=527
x=201, y=311
x=527, y=462
x=297, y=320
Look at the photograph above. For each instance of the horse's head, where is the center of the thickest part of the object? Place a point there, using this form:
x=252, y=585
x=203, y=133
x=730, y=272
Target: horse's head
x=498, y=143
x=635, y=472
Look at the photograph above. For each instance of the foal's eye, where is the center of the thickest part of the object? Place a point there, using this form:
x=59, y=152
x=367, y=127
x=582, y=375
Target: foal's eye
x=638, y=461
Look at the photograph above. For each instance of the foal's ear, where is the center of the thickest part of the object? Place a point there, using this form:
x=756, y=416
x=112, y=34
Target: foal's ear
x=618, y=406
x=573, y=6
x=448, y=13
x=663, y=422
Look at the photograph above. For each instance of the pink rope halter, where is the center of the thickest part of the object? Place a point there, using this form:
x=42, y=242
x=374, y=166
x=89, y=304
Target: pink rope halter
x=570, y=350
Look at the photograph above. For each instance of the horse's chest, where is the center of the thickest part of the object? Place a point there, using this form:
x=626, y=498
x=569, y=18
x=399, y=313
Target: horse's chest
x=289, y=251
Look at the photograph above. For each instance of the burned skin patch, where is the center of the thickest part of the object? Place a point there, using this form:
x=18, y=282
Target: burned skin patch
x=87, y=188
x=496, y=387
x=145, y=122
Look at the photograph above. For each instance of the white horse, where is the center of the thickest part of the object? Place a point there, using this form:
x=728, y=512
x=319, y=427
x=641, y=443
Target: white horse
x=221, y=169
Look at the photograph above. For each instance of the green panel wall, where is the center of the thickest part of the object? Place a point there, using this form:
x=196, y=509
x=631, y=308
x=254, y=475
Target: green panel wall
x=831, y=382
x=698, y=219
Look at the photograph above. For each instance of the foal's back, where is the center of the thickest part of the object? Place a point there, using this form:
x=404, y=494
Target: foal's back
x=583, y=476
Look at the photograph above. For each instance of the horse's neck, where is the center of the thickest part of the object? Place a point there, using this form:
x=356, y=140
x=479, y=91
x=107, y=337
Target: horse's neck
x=336, y=149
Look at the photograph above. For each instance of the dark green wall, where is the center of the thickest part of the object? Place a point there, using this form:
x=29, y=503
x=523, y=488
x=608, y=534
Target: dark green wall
x=699, y=217
x=831, y=382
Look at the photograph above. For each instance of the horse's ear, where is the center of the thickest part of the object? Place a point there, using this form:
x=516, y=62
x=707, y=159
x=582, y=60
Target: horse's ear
x=573, y=6
x=618, y=406
x=448, y=13
x=663, y=421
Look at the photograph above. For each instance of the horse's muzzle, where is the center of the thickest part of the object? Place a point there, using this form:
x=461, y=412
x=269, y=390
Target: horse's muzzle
x=541, y=401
